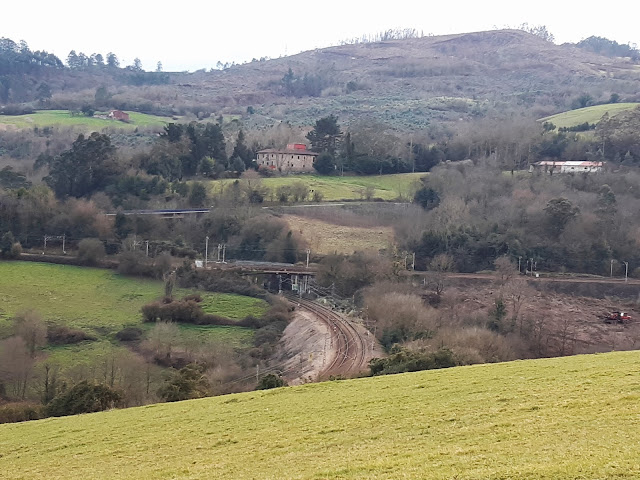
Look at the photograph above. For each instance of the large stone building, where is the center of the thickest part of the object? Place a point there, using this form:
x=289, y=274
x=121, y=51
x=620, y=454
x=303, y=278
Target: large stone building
x=294, y=158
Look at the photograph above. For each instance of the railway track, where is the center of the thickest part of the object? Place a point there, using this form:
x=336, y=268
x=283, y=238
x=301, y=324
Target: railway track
x=350, y=347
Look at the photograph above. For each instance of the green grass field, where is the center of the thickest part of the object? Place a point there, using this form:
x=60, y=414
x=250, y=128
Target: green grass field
x=588, y=114
x=387, y=187
x=99, y=301
x=62, y=118
x=569, y=418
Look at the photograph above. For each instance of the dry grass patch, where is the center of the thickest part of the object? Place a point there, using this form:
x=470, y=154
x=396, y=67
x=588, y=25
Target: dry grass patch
x=325, y=238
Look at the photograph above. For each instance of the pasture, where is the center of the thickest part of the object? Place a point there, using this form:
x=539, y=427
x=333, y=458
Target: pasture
x=560, y=419
x=98, y=301
x=64, y=118
x=387, y=187
x=588, y=114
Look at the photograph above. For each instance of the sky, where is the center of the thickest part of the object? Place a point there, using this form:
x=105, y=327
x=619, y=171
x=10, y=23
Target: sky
x=190, y=35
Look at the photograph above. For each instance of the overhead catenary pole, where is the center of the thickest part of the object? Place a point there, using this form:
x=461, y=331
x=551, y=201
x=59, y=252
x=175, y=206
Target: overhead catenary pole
x=611, y=272
x=147, y=247
x=308, y=253
x=626, y=271
x=206, y=251
x=224, y=252
x=219, y=250
x=519, y=260
x=64, y=237
x=413, y=261
x=531, y=267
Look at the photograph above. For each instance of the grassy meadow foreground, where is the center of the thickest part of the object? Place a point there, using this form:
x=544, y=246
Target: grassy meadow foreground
x=561, y=418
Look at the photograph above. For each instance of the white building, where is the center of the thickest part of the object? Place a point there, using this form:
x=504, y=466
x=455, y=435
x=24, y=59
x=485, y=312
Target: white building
x=566, y=167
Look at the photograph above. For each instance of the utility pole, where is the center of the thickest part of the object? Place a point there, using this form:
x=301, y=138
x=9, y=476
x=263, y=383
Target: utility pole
x=611, y=272
x=308, y=253
x=413, y=262
x=64, y=238
x=413, y=160
x=519, y=260
x=626, y=271
x=44, y=249
x=257, y=373
x=219, y=250
x=206, y=251
x=224, y=251
x=531, y=267
x=147, y=247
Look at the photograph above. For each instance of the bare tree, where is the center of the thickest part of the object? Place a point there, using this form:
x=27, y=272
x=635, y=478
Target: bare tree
x=440, y=265
x=163, y=338
x=16, y=366
x=29, y=326
x=505, y=270
x=566, y=337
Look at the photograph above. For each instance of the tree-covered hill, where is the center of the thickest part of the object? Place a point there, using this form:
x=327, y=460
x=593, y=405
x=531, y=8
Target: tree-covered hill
x=408, y=83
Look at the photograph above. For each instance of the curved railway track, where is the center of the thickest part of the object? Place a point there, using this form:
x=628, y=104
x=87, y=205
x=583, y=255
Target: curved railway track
x=350, y=347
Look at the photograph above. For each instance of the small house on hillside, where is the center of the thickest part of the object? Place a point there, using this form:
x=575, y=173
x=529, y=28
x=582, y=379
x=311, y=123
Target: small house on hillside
x=294, y=158
x=119, y=115
x=552, y=167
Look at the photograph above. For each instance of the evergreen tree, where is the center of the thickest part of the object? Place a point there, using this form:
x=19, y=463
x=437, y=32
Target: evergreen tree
x=325, y=135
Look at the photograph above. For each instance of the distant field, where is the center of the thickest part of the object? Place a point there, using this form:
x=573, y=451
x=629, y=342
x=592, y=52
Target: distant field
x=387, y=187
x=102, y=302
x=62, y=118
x=588, y=114
x=325, y=238
x=550, y=419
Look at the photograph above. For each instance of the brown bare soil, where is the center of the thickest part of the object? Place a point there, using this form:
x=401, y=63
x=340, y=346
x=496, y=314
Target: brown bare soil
x=569, y=323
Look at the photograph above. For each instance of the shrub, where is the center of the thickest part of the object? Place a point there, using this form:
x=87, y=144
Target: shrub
x=129, y=334
x=189, y=382
x=223, y=282
x=402, y=360
x=20, y=412
x=16, y=250
x=270, y=381
x=63, y=335
x=84, y=398
x=90, y=251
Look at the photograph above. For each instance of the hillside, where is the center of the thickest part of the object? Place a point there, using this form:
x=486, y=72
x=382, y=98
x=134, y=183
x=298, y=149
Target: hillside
x=540, y=419
x=408, y=84
x=588, y=114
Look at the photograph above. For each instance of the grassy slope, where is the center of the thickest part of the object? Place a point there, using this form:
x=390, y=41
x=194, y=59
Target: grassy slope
x=569, y=418
x=62, y=118
x=98, y=300
x=326, y=238
x=387, y=187
x=588, y=114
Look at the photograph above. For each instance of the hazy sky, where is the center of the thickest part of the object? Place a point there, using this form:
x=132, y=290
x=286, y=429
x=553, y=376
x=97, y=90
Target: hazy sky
x=190, y=35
